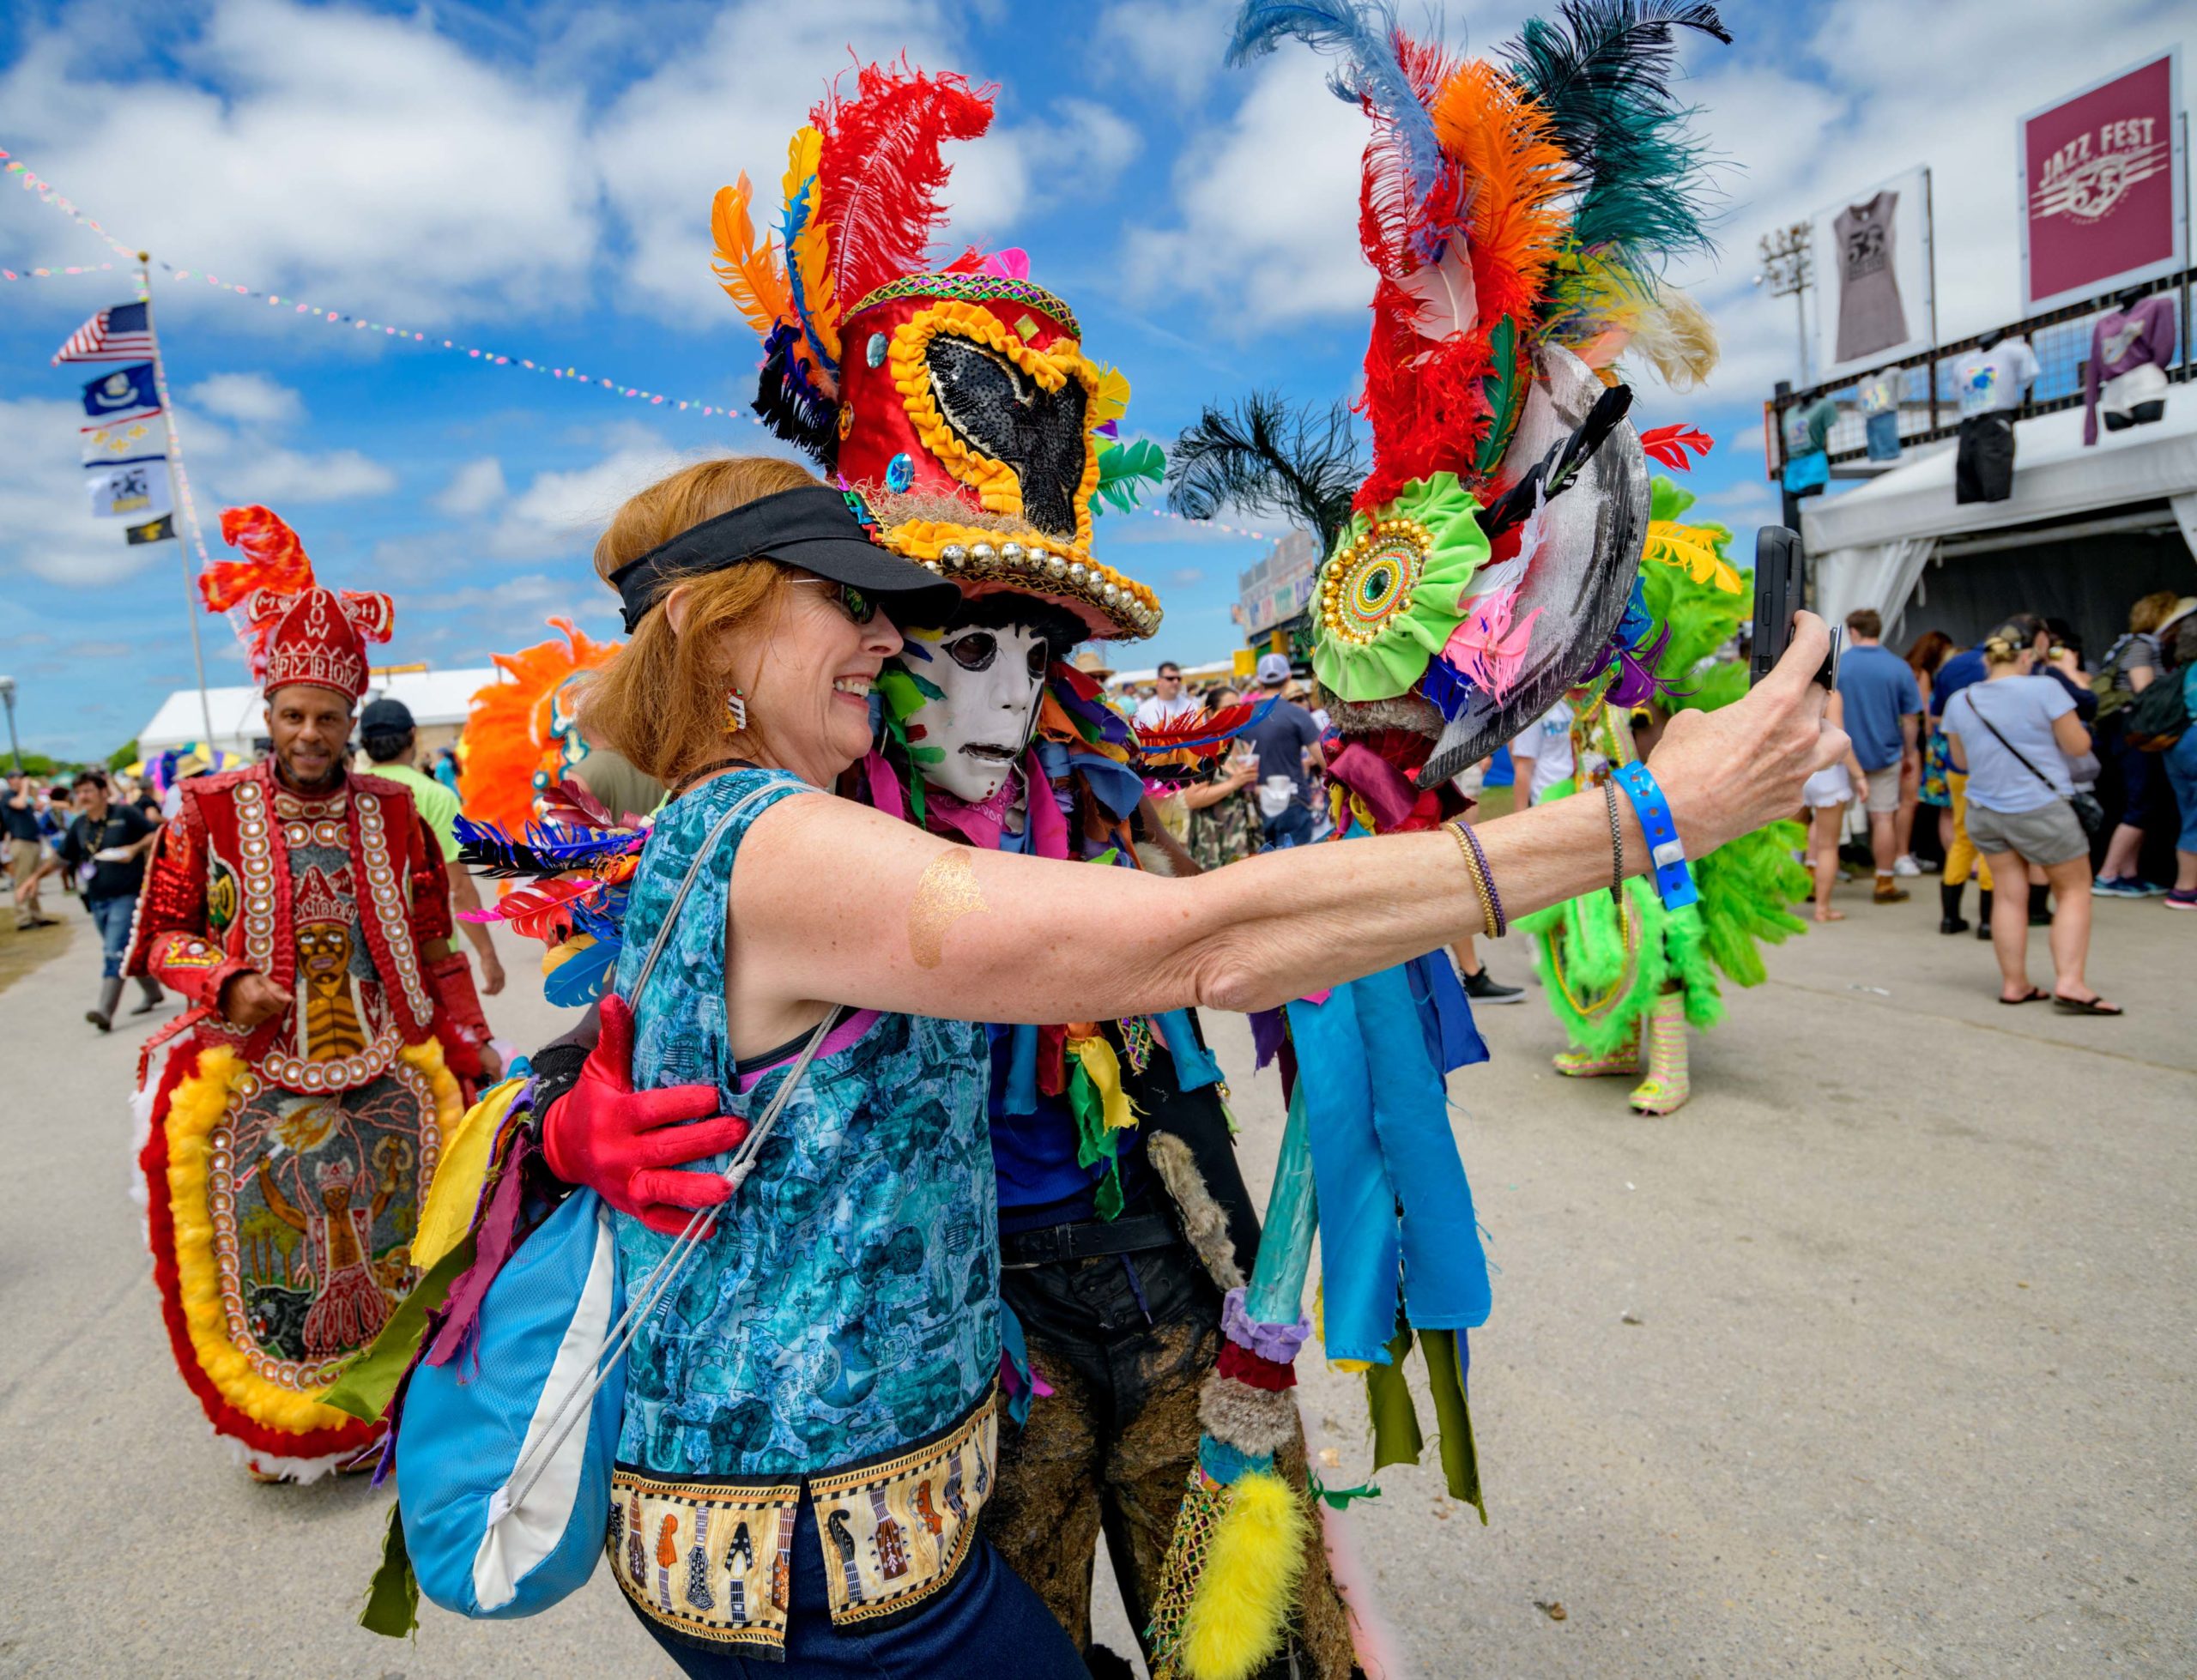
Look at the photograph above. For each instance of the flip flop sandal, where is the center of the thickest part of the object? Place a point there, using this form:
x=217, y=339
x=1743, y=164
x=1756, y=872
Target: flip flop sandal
x=2085, y=1006
x=2036, y=995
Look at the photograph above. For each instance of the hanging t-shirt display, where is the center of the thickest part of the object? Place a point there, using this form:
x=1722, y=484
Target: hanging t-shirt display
x=1989, y=381
x=1871, y=317
x=1807, y=433
x=2126, y=375
x=1879, y=399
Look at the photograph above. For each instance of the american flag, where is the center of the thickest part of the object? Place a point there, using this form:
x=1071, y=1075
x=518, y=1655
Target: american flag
x=122, y=334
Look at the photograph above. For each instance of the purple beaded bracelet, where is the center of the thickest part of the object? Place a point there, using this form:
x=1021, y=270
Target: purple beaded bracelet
x=1487, y=876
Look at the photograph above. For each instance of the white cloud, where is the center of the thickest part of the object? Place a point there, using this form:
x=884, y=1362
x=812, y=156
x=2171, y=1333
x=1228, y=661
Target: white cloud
x=1267, y=206
x=562, y=512
x=1176, y=44
x=474, y=488
x=252, y=398
x=279, y=476
x=309, y=147
x=728, y=105
x=46, y=530
x=253, y=462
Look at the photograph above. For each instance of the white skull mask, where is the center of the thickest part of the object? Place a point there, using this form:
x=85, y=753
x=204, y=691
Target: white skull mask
x=991, y=678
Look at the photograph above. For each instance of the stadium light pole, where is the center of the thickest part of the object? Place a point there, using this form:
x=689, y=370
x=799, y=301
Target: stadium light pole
x=8, y=699
x=1789, y=269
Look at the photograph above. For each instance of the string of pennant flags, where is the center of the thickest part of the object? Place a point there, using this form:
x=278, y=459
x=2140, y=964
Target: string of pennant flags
x=294, y=308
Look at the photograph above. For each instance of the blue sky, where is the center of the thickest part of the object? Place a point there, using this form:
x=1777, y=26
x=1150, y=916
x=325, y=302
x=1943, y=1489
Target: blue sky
x=536, y=180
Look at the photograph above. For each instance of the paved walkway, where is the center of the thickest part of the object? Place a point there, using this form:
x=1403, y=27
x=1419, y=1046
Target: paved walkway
x=1875, y=1360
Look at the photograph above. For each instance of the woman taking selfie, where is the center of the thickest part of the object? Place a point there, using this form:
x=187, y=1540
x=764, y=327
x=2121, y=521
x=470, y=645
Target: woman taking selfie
x=840, y=1331
x=2012, y=735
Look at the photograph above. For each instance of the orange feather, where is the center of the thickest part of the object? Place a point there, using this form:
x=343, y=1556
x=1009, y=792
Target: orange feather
x=1517, y=176
x=507, y=733
x=755, y=279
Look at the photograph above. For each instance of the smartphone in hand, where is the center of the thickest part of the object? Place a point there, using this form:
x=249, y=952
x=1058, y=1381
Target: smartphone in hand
x=1780, y=589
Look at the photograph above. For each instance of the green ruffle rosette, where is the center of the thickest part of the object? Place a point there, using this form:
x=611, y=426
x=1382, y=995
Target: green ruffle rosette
x=1387, y=597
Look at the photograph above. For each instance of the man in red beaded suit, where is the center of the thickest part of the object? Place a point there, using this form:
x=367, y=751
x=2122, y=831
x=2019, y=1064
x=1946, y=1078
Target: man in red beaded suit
x=295, y=1124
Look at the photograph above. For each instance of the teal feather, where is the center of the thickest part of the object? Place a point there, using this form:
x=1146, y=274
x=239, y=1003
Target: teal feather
x=1602, y=70
x=1504, y=387
x=1124, y=469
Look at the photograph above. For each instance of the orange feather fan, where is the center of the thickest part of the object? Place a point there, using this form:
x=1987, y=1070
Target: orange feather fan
x=507, y=733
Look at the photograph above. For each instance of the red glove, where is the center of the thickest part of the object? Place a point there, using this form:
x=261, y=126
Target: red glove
x=626, y=1144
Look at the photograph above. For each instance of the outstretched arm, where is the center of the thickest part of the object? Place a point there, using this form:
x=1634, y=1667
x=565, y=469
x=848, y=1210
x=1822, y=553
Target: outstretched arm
x=910, y=923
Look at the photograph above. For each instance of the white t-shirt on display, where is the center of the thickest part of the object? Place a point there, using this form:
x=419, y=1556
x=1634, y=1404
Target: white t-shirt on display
x=1989, y=380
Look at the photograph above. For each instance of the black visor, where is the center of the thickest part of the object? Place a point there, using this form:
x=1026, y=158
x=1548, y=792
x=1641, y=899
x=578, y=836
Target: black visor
x=812, y=528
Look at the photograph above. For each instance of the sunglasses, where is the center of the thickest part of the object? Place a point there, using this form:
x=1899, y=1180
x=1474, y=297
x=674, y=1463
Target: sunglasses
x=857, y=605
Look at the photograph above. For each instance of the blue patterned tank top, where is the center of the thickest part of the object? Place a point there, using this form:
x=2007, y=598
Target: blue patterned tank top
x=848, y=1303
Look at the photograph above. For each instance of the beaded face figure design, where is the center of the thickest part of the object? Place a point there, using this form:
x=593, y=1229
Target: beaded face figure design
x=1001, y=411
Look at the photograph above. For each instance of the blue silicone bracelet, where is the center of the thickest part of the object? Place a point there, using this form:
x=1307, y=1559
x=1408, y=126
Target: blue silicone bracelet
x=1673, y=876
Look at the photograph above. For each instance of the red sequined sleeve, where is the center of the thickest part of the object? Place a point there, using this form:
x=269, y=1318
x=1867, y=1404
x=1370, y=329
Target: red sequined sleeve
x=171, y=940
x=459, y=1023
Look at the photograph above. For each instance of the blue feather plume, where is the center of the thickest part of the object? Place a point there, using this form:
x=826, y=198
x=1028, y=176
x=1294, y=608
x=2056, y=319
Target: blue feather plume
x=584, y=976
x=1363, y=33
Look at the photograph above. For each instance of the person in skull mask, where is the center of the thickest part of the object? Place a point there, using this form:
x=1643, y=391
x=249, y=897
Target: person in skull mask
x=1117, y=1241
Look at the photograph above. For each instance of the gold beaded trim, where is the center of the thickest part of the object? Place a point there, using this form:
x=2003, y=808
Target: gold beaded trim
x=1398, y=542
x=1040, y=565
x=1455, y=831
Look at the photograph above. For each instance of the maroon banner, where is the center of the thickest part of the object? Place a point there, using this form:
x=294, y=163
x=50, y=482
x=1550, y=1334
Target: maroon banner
x=2100, y=193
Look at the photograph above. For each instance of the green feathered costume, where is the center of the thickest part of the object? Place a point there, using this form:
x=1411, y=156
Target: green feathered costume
x=1604, y=971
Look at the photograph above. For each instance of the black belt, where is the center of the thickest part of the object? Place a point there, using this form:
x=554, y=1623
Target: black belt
x=1020, y=1250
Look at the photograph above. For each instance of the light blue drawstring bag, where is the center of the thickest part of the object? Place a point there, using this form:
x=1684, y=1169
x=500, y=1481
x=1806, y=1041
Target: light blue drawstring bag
x=503, y=1463
x=503, y=1480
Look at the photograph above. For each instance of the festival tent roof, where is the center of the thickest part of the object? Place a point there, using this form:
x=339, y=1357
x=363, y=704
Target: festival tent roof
x=435, y=698
x=1869, y=547
x=2054, y=477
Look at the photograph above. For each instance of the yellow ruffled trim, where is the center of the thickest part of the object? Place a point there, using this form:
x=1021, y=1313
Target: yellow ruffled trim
x=195, y=1108
x=995, y=482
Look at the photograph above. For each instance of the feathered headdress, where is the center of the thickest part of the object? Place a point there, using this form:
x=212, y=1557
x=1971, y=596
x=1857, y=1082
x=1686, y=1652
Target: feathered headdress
x=296, y=632
x=955, y=397
x=1516, y=215
x=519, y=738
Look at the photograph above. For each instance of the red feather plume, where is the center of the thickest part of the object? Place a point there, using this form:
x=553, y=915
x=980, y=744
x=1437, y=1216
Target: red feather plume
x=1669, y=443
x=274, y=560
x=1424, y=364
x=880, y=174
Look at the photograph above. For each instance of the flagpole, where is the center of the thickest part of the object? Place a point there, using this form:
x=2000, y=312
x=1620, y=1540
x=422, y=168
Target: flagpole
x=191, y=602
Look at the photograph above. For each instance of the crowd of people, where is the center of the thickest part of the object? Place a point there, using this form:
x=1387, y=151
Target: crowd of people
x=2046, y=776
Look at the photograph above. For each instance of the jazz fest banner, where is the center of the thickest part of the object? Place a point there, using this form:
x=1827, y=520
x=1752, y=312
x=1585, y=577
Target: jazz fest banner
x=2101, y=173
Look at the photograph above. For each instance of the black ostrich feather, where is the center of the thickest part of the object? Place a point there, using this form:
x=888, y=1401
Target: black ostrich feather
x=1302, y=464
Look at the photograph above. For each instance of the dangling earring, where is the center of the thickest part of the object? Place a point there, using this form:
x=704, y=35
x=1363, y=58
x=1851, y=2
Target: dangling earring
x=735, y=712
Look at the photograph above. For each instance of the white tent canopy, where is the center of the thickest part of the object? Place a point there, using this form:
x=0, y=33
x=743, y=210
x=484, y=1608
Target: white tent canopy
x=435, y=698
x=1869, y=545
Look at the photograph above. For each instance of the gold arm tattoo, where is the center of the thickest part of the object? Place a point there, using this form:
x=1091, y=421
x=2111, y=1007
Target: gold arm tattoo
x=947, y=891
